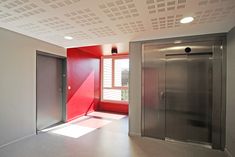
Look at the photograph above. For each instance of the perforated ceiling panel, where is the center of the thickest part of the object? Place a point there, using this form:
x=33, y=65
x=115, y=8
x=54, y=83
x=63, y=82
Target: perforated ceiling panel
x=34, y=28
x=92, y=22
x=84, y=17
x=79, y=35
x=166, y=22
x=59, y=3
x=206, y=2
x=4, y=15
x=102, y=32
x=158, y=6
x=20, y=9
x=119, y=9
x=131, y=27
x=56, y=23
x=210, y=16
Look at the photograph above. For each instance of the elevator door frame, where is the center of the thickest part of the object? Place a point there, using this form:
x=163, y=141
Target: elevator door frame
x=219, y=63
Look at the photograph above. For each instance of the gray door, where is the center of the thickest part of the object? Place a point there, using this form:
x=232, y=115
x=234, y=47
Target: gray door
x=49, y=91
x=189, y=97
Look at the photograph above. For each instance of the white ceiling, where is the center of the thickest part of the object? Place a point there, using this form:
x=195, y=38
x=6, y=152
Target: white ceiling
x=93, y=22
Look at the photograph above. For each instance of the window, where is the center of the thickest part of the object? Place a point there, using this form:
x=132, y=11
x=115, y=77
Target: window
x=115, y=78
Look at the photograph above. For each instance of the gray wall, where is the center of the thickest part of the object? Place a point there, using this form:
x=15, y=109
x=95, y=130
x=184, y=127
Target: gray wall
x=135, y=89
x=18, y=84
x=230, y=108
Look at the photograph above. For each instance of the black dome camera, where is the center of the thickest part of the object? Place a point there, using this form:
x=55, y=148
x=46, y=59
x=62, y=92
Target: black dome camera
x=187, y=49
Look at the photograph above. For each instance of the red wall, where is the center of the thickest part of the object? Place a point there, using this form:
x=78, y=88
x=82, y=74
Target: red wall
x=113, y=107
x=83, y=70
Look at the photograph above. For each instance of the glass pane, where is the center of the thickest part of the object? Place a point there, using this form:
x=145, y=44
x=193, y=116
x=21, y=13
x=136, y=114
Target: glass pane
x=125, y=95
x=107, y=72
x=115, y=94
x=121, y=72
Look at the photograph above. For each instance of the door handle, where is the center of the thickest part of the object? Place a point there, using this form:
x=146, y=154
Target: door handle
x=162, y=95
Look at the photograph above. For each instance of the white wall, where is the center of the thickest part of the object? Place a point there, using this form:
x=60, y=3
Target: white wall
x=18, y=84
x=230, y=106
x=135, y=89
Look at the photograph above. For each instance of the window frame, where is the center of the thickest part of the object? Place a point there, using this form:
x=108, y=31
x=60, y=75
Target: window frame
x=113, y=57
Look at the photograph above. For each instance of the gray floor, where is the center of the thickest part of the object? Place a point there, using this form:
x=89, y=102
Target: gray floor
x=110, y=141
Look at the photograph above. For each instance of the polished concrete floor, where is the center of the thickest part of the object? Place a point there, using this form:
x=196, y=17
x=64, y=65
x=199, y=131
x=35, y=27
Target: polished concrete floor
x=109, y=139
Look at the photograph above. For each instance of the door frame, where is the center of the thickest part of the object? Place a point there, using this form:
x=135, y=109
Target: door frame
x=219, y=47
x=64, y=84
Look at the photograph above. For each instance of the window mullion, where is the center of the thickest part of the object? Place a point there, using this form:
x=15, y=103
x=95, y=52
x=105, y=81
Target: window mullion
x=113, y=77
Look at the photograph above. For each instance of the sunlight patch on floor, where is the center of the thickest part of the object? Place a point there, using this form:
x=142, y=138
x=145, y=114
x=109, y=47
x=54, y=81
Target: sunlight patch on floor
x=94, y=123
x=76, y=130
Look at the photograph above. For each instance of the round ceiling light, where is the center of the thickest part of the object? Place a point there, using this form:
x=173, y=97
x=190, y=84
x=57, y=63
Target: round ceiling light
x=68, y=37
x=186, y=20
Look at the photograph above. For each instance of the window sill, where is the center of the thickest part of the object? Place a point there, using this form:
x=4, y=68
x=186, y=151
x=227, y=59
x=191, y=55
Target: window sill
x=115, y=102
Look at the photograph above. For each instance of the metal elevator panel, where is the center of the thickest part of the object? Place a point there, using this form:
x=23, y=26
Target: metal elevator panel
x=181, y=91
x=188, y=97
x=153, y=123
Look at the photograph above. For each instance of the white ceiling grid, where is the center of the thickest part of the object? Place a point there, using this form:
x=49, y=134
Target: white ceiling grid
x=92, y=22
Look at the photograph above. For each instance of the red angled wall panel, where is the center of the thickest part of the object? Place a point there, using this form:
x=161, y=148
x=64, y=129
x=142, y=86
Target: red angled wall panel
x=83, y=76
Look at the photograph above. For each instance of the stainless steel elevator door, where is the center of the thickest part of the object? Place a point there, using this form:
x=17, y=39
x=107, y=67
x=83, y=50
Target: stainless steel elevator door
x=153, y=111
x=49, y=91
x=189, y=97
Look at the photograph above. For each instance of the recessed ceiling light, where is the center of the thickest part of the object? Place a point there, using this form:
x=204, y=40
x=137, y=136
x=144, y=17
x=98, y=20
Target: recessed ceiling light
x=68, y=37
x=186, y=20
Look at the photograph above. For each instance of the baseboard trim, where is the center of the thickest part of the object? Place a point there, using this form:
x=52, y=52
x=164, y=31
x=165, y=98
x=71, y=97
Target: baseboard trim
x=134, y=134
x=227, y=152
x=17, y=140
